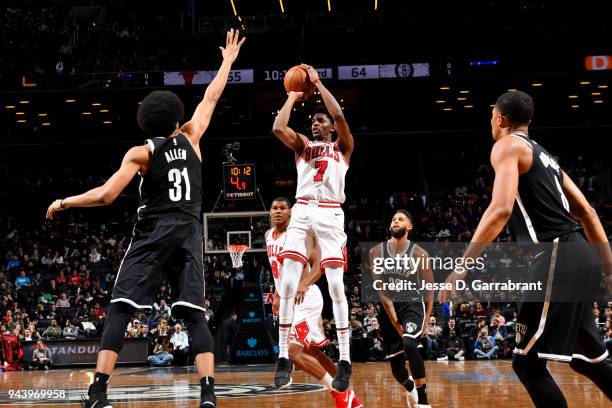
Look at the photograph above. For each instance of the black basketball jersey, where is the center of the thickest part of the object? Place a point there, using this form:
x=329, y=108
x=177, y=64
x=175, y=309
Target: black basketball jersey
x=402, y=274
x=173, y=182
x=541, y=210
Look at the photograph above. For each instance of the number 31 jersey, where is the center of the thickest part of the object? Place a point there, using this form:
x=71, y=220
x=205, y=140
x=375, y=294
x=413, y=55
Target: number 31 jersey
x=321, y=172
x=173, y=182
x=541, y=210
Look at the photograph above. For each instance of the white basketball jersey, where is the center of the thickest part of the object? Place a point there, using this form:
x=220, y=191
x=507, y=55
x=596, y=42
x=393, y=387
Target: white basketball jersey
x=321, y=172
x=274, y=245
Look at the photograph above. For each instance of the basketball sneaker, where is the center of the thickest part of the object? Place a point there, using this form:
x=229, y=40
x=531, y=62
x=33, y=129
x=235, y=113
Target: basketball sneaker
x=356, y=402
x=343, y=399
x=343, y=376
x=208, y=400
x=95, y=399
x=282, y=376
x=412, y=397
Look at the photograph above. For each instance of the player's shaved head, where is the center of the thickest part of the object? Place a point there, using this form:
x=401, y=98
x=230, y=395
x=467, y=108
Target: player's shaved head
x=159, y=113
x=406, y=213
x=282, y=200
x=400, y=226
x=322, y=110
x=280, y=211
x=516, y=106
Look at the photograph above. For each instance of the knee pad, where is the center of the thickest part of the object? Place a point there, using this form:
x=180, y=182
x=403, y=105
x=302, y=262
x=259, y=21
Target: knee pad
x=113, y=336
x=201, y=339
x=335, y=283
x=417, y=366
x=398, y=369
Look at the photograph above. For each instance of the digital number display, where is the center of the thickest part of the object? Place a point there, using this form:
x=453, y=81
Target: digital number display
x=279, y=74
x=239, y=181
x=236, y=76
x=397, y=71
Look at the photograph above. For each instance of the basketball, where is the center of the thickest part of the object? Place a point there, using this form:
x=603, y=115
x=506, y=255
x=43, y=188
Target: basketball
x=296, y=79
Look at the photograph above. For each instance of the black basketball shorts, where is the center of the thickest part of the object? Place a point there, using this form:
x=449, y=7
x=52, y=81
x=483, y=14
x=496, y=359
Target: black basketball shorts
x=411, y=316
x=556, y=329
x=169, y=244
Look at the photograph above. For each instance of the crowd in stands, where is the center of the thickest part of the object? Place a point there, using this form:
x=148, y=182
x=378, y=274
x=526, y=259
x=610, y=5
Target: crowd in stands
x=56, y=278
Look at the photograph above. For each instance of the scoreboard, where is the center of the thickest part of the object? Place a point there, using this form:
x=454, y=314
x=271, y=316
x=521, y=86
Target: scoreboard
x=397, y=71
x=239, y=181
x=403, y=70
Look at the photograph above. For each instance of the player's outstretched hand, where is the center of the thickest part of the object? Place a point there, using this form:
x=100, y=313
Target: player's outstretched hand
x=53, y=208
x=301, y=292
x=313, y=75
x=232, y=46
x=446, y=294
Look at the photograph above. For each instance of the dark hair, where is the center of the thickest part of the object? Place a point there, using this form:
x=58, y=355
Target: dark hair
x=283, y=199
x=159, y=113
x=406, y=213
x=323, y=111
x=517, y=106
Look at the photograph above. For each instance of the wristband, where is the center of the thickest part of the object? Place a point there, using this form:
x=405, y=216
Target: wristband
x=62, y=203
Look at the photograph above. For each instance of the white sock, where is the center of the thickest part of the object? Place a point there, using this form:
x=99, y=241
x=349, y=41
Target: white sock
x=292, y=270
x=344, y=344
x=335, y=283
x=283, y=341
x=327, y=380
x=459, y=354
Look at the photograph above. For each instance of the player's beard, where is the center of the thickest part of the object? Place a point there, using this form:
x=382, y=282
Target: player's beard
x=317, y=138
x=400, y=233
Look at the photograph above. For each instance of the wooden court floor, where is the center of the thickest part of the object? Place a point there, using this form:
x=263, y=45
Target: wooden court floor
x=451, y=384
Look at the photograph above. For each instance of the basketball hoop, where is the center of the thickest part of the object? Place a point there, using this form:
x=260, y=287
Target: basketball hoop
x=236, y=251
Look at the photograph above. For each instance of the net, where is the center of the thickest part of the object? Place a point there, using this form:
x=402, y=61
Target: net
x=236, y=251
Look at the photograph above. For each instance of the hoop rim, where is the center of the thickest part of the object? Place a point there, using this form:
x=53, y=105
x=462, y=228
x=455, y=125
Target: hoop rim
x=237, y=247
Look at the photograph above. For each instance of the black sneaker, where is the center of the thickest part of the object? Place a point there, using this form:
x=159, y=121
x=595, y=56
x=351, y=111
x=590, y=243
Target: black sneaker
x=282, y=376
x=208, y=400
x=97, y=400
x=343, y=376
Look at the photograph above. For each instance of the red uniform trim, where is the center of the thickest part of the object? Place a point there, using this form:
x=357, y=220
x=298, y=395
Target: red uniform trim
x=320, y=203
x=302, y=155
x=322, y=343
x=293, y=255
x=341, y=154
x=332, y=261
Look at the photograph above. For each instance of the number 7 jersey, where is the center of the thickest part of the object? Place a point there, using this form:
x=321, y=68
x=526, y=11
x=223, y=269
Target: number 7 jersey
x=173, y=182
x=321, y=172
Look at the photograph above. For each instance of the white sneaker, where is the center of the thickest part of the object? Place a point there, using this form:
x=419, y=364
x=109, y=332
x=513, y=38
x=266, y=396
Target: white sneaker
x=461, y=358
x=445, y=358
x=412, y=397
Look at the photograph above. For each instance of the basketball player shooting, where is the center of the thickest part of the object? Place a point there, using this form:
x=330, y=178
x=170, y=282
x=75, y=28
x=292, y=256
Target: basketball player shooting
x=169, y=166
x=317, y=215
x=544, y=205
x=307, y=336
x=402, y=323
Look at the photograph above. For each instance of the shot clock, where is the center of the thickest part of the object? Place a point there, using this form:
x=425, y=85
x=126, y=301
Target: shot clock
x=239, y=181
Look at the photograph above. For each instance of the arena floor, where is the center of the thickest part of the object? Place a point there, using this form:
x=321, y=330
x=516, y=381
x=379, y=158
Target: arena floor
x=451, y=384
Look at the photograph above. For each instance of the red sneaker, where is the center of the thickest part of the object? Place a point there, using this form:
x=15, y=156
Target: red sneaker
x=343, y=399
x=356, y=402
